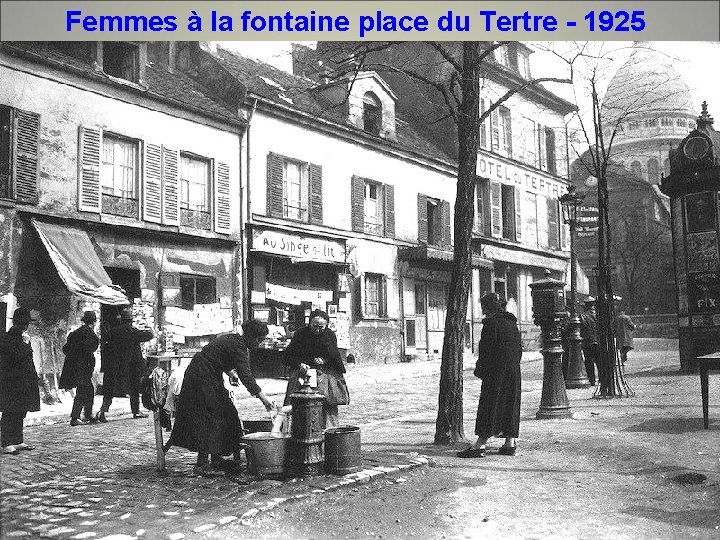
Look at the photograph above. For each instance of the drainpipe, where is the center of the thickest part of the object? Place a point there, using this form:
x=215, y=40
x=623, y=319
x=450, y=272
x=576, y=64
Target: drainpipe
x=245, y=196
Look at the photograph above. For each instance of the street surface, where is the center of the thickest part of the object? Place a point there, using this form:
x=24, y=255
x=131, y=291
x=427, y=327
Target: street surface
x=639, y=467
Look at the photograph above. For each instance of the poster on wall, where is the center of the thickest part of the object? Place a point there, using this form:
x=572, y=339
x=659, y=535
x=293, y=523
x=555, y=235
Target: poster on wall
x=702, y=252
x=704, y=292
x=700, y=213
x=342, y=330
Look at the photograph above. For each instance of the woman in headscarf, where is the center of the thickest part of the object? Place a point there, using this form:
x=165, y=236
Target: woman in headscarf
x=206, y=419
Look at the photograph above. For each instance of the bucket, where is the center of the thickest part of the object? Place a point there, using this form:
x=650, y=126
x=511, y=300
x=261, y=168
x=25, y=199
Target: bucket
x=265, y=453
x=254, y=426
x=342, y=450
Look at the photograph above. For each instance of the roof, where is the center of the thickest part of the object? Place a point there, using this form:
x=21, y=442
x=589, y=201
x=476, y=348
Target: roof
x=159, y=83
x=300, y=93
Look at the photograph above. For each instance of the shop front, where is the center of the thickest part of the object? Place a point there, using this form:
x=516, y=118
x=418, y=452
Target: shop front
x=291, y=275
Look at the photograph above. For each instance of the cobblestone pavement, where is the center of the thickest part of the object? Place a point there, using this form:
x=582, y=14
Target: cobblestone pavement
x=100, y=481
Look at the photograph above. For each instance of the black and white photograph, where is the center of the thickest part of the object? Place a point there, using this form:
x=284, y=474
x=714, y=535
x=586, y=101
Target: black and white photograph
x=359, y=289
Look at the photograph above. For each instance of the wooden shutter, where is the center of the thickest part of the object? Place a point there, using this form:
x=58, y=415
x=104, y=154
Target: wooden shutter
x=518, y=215
x=357, y=203
x=542, y=150
x=274, y=201
x=479, y=201
x=508, y=130
x=550, y=149
x=25, y=155
x=496, y=209
x=422, y=219
x=487, y=212
x=494, y=130
x=152, y=183
x=170, y=187
x=389, y=192
x=553, y=230
x=222, y=199
x=483, y=126
x=316, y=207
x=90, y=146
x=446, y=232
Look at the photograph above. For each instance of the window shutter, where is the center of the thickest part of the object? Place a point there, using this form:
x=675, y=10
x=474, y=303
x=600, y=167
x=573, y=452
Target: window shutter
x=152, y=188
x=483, y=126
x=222, y=198
x=542, y=150
x=496, y=208
x=316, y=209
x=564, y=236
x=508, y=131
x=518, y=216
x=89, y=169
x=274, y=201
x=170, y=187
x=357, y=203
x=25, y=155
x=479, y=201
x=361, y=296
x=389, y=210
x=487, y=212
x=494, y=130
x=422, y=219
x=550, y=149
x=392, y=298
x=552, y=214
x=446, y=233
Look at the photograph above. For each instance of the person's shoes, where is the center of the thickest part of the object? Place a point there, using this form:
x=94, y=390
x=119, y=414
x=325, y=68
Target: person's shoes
x=77, y=422
x=11, y=449
x=101, y=418
x=227, y=465
x=206, y=471
x=140, y=415
x=91, y=420
x=23, y=446
x=471, y=453
x=507, y=450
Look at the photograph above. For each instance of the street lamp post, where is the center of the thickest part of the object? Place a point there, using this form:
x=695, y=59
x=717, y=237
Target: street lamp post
x=576, y=376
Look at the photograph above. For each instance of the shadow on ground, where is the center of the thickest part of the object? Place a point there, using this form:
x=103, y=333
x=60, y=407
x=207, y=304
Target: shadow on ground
x=670, y=425
x=706, y=518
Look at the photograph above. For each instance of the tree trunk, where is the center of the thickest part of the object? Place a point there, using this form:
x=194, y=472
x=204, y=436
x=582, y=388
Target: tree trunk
x=449, y=424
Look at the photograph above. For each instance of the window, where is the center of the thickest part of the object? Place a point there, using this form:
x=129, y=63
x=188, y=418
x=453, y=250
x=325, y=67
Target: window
x=19, y=131
x=553, y=215
x=633, y=126
x=508, y=212
x=119, y=167
x=651, y=123
x=194, y=183
x=374, y=302
x=523, y=65
x=374, y=212
x=434, y=222
x=666, y=122
x=653, y=171
x=121, y=60
x=197, y=290
x=681, y=122
x=550, y=149
x=500, y=279
x=531, y=224
x=295, y=190
x=666, y=167
x=372, y=113
x=437, y=306
x=501, y=130
x=481, y=205
x=502, y=56
x=636, y=168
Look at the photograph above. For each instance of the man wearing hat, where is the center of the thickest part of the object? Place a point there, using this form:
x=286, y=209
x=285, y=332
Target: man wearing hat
x=589, y=334
x=79, y=366
x=123, y=364
x=19, y=391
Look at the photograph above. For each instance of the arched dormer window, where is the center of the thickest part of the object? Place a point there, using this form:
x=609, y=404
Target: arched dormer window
x=372, y=113
x=653, y=171
x=636, y=169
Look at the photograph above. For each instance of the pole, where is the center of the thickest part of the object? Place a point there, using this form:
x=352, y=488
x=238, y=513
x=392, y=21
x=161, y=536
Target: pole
x=576, y=376
x=159, y=441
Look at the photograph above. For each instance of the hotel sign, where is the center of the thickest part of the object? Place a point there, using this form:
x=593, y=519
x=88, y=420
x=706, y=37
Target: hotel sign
x=509, y=173
x=298, y=247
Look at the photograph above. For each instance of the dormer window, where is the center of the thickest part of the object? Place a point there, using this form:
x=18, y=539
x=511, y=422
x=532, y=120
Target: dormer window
x=502, y=56
x=121, y=60
x=372, y=113
x=523, y=60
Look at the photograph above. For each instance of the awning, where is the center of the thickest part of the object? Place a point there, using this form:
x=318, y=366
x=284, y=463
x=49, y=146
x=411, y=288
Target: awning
x=78, y=265
x=428, y=253
x=524, y=258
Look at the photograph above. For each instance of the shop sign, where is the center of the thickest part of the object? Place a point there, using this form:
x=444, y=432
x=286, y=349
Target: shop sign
x=298, y=247
x=288, y=295
x=508, y=173
x=587, y=222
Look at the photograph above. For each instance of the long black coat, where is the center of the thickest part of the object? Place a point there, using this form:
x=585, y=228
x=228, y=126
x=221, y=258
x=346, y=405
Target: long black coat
x=306, y=346
x=19, y=391
x=499, y=356
x=122, y=362
x=79, y=358
x=206, y=419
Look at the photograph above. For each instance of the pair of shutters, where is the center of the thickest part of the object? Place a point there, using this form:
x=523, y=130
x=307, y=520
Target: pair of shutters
x=511, y=212
x=444, y=211
x=23, y=178
x=492, y=140
x=546, y=149
x=160, y=185
x=275, y=163
x=357, y=203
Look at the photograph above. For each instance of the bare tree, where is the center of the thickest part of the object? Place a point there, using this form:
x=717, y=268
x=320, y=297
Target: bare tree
x=447, y=79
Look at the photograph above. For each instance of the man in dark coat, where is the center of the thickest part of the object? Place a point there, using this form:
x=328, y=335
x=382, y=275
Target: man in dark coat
x=206, y=420
x=498, y=365
x=19, y=391
x=589, y=334
x=314, y=347
x=624, y=328
x=123, y=364
x=79, y=366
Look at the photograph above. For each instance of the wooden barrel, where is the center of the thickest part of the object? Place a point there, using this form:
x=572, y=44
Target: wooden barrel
x=342, y=450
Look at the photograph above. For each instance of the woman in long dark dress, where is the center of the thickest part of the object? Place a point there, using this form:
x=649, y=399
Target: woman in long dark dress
x=498, y=366
x=206, y=419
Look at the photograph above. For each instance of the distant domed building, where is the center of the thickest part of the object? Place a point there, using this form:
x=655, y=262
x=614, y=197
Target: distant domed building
x=651, y=105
